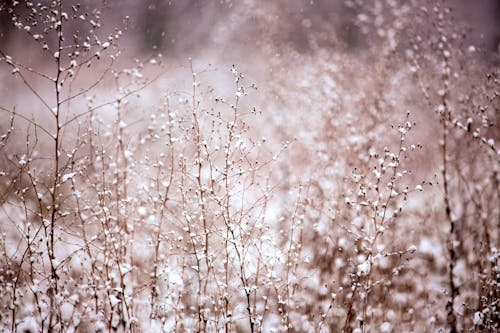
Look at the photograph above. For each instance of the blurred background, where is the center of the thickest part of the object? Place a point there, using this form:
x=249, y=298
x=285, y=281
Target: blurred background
x=241, y=29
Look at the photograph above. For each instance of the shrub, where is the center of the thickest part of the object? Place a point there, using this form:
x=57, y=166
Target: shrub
x=353, y=187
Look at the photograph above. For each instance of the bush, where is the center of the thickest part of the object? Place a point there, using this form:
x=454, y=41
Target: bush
x=353, y=187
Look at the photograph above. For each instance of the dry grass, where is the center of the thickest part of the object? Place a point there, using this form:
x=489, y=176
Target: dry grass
x=342, y=190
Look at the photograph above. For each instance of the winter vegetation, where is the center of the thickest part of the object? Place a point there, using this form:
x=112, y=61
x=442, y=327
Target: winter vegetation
x=327, y=166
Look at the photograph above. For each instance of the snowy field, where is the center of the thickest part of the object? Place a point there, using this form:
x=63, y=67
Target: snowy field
x=249, y=166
